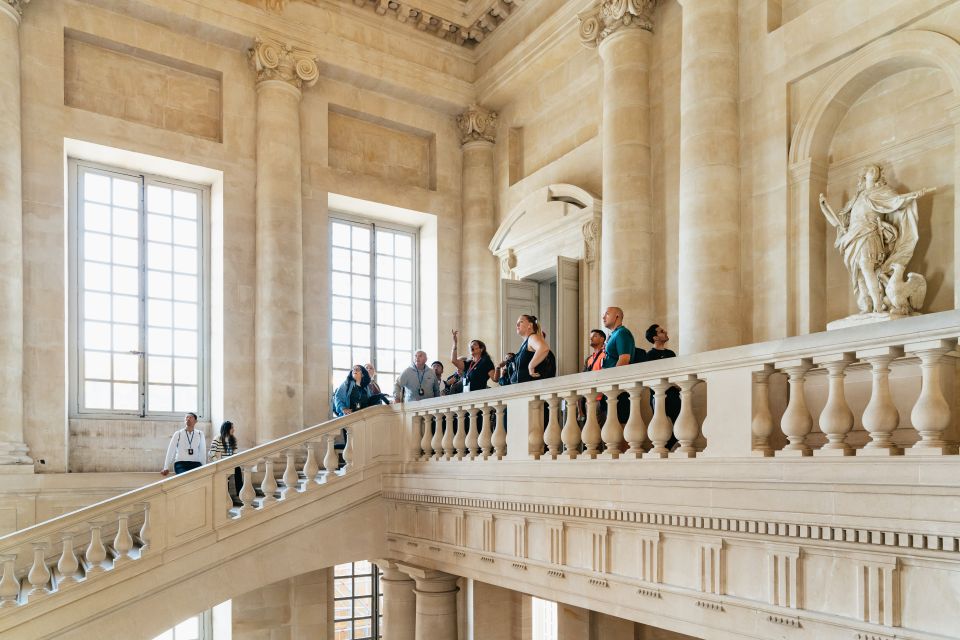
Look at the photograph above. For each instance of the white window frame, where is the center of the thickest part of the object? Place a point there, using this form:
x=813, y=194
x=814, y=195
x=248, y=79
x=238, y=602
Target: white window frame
x=374, y=225
x=206, y=626
x=74, y=262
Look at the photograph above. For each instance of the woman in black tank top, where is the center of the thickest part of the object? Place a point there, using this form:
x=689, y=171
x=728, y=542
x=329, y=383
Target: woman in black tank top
x=534, y=359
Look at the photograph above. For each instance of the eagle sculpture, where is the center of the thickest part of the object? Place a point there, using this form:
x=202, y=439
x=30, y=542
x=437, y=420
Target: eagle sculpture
x=905, y=296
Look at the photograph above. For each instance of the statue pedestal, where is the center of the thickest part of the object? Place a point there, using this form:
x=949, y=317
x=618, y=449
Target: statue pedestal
x=860, y=319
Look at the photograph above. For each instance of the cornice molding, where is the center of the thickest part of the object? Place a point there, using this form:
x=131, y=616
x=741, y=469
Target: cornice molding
x=275, y=60
x=477, y=124
x=610, y=16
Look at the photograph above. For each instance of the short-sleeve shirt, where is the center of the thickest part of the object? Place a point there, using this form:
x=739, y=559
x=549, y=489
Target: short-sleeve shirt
x=620, y=342
x=476, y=375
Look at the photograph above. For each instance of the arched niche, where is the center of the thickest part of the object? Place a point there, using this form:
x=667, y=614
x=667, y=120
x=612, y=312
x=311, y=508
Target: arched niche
x=810, y=162
x=556, y=221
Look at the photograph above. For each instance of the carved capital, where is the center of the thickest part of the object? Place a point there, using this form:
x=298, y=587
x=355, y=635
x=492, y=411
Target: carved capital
x=274, y=60
x=610, y=16
x=477, y=123
x=591, y=240
x=275, y=6
x=16, y=5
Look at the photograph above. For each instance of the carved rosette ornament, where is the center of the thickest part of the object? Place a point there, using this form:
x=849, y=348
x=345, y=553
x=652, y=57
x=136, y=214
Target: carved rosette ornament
x=274, y=60
x=16, y=5
x=477, y=123
x=610, y=16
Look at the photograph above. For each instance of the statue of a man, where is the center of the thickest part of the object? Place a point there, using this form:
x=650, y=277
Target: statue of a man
x=876, y=230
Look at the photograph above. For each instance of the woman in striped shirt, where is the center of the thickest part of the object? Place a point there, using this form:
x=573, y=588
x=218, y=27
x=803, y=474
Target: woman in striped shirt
x=224, y=447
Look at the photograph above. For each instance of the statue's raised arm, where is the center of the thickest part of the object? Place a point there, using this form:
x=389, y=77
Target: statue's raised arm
x=829, y=213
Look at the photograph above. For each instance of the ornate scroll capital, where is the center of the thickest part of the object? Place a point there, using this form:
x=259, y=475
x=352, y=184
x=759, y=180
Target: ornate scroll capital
x=275, y=60
x=477, y=123
x=16, y=5
x=609, y=16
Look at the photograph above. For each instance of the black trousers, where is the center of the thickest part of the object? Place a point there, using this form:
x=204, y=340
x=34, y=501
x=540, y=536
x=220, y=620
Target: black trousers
x=184, y=466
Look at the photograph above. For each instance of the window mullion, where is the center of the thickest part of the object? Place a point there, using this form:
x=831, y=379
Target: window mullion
x=142, y=214
x=372, y=298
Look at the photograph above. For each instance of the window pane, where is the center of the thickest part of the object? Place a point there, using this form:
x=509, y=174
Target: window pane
x=188, y=629
x=343, y=569
x=185, y=232
x=360, y=262
x=160, y=313
x=185, y=288
x=384, y=243
x=341, y=332
x=126, y=222
x=343, y=631
x=361, y=567
x=126, y=337
x=385, y=337
x=404, y=269
x=96, y=364
x=185, y=315
x=185, y=259
x=403, y=316
x=403, y=245
x=126, y=366
x=126, y=397
x=340, y=234
x=362, y=628
x=159, y=284
x=126, y=251
x=341, y=284
x=361, y=311
x=158, y=256
x=385, y=361
x=126, y=280
x=166, y=635
x=184, y=399
x=96, y=395
x=362, y=587
x=341, y=358
x=403, y=340
x=340, y=259
x=96, y=188
x=361, y=355
x=384, y=266
x=361, y=238
x=404, y=293
x=96, y=276
x=126, y=193
x=361, y=334
x=158, y=199
x=159, y=342
x=185, y=343
x=160, y=368
x=342, y=609
x=384, y=313
x=126, y=309
x=384, y=290
x=159, y=228
x=96, y=306
x=185, y=204
x=160, y=398
x=96, y=217
x=361, y=287
x=341, y=308
x=96, y=246
x=96, y=335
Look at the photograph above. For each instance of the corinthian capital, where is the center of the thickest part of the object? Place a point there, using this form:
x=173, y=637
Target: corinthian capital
x=274, y=60
x=477, y=123
x=16, y=5
x=609, y=16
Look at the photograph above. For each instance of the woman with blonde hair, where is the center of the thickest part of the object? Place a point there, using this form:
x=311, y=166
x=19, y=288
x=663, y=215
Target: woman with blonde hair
x=534, y=359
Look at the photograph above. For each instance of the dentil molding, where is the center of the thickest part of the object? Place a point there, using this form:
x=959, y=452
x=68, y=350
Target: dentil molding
x=610, y=16
x=477, y=123
x=275, y=60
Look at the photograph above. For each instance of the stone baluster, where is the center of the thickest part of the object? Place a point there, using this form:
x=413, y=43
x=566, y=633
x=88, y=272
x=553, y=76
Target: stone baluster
x=591, y=428
x=552, y=436
x=931, y=413
x=836, y=419
x=9, y=585
x=473, y=438
x=687, y=428
x=427, y=421
x=330, y=459
x=660, y=427
x=761, y=425
x=436, y=442
x=67, y=566
x=348, y=453
x=535, y=426
x=39, y=575
x=223, y=480
x=96, y=553
x=460, y=437
x=448, y=447
x=500, y=432
x=416, y=434
x=123, y=541
x=880, y=417
x=290, y=476
x=797, y=421
x=635, y=431
x=310, y=467
x=247, y=494
x=612, y=432
x=485, y=437
x=571, y=430
x=269, y=484
x=145, y=532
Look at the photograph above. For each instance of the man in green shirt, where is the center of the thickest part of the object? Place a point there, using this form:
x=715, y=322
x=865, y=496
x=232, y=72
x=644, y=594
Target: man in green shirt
x=620, y=344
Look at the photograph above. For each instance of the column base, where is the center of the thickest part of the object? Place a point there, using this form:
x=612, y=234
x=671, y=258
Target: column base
x=936, y=450
x=880, y=452
x=15, y=453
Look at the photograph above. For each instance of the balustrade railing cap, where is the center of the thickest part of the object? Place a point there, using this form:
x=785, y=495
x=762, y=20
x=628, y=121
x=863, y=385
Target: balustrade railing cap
x=890, y=351
x=943, y=344
x=794, y=363
x=844, y=357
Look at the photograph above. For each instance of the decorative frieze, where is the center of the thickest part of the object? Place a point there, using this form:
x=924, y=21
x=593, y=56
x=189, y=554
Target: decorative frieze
x=477, y=123
x=609, y=16
x=275, y=60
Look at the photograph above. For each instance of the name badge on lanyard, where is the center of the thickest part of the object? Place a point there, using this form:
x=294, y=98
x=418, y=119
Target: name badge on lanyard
x=190, y=443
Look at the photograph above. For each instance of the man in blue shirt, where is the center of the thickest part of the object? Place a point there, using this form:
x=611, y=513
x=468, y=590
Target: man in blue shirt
x=620, y=344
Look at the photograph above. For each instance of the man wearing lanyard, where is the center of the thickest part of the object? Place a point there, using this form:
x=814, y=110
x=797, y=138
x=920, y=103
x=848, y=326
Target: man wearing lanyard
x=620, y=352
x=417, y=382
x=187, y=448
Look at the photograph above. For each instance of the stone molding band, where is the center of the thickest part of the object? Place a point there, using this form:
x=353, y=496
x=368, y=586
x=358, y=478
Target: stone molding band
x=853, y=535
x=611, y=16
x=275, y=60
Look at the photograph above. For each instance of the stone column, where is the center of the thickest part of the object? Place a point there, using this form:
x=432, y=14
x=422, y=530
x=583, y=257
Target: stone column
x=281, y=71
x=479, y=276
x=709, y=278
x=622, y=30
x=399, y=602
x=12, y=447
x=436, y=603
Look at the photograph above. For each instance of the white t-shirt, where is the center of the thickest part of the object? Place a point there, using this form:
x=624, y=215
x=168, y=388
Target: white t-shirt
x=186, y=447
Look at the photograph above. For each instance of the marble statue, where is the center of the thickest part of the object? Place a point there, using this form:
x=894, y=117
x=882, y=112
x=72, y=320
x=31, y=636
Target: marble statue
x=876, y=235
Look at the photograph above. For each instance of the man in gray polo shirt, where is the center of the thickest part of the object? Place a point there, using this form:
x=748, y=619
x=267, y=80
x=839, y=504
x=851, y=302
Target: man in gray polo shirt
x=417, y=382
